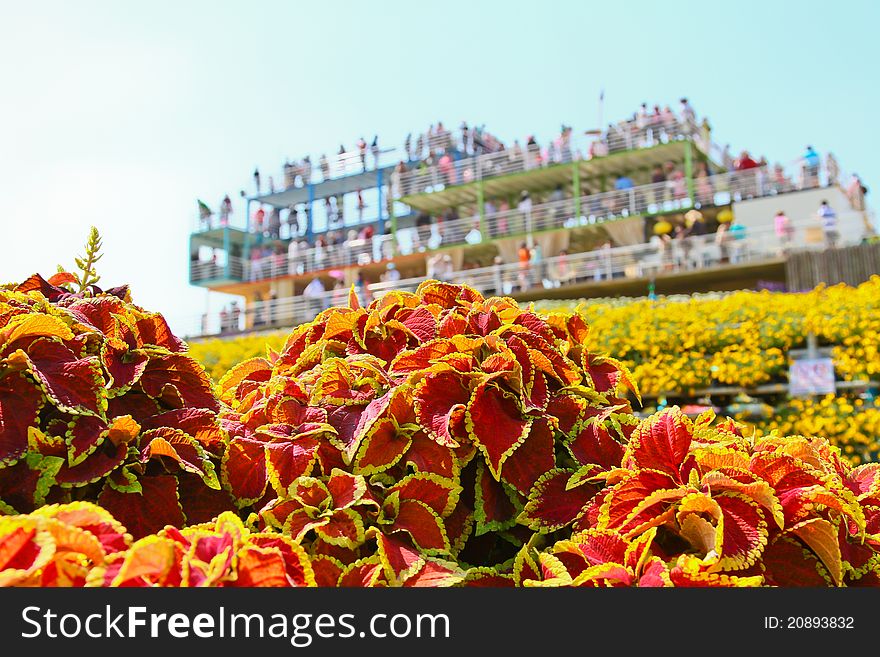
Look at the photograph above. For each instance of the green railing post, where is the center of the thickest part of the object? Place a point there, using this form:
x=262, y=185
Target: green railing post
x=689, y=169
x=482, y=207
x=576, y=189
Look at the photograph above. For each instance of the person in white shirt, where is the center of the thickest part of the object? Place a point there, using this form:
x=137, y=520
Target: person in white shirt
x=313, y=293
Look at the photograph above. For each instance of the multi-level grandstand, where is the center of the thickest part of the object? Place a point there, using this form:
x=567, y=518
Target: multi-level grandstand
x=643, y=207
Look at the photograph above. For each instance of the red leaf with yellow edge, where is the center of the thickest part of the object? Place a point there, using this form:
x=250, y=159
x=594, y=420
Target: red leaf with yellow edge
x=123, y=365
x=200, y=503
x=74, y=385
x=200, y=423
x=327, y=570
x=607, y=374
x=363, y=573
x=787, y=563
x=151, y=561
x=399, y=558
x=297, y=565
x=436, y=492
x=84, y=436
x=691, y=571
x=436, y=573
x=345, y=420
x=423, y=524
x=483, y=577
x=426, y=455
x=20, y=402
x=243, y=470
x=864, y=480
x=24, y=486
x=381, y=447
x=154, y=330
x=447, y=295
x=531, y=459
x=286, y=460
x=422, y=323
x=597, y=546
x=594, y=444
x=422, y=357
x=23, y=551
x=181, y=448
x=495, y=424
x=661, y=442
x=436, y=400
x=252, y=369
x=551, y=506
x=346, y=489
x=821, y=537
x=344, y=528
x=146, y=512
x=97, y=465
x=183, y=374
x=626, y=497
x=33, y=325
x=260, y=567
x=495, y=507
x=93, y=519
x=744, y=531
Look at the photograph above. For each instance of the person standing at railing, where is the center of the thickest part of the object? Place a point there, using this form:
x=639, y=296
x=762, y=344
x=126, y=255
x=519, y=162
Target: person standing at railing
x=688, y=118
x=374, y=149
x=407, y=147
x=306, y=170
x=524, y=223
x=855, y=192
x=524, y=256
x=828, y=217
x=257, y=179
x=313, y=293
x=340, y=160
x=832, y=169
x=225, y=210
x=275, y=224
x=234, y=316
x=811, y=162
x=362, y=151
x=705, y=192
x=324, y=165
x=784, y=230
x=259, y=222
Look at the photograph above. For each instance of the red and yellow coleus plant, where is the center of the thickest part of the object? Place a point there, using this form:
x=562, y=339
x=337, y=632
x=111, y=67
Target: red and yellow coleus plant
x=433, y=438
x=99, y=401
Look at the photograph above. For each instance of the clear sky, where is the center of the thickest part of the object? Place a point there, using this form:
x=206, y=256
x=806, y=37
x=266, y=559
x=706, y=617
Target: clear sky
x=121, y=114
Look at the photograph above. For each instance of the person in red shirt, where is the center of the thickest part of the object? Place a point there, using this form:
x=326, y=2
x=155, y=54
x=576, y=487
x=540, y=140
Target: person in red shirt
x=259, y=218
x=745, y=161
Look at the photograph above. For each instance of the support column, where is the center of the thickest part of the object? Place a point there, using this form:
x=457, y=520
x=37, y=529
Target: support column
x=481, y=205
x=576, y=190
x=310, y=232
x=227, y=244
x=392, y=217
x=689, y=169
x=381, y=189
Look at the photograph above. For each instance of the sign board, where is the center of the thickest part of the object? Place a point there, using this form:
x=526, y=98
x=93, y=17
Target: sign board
x=811, y=376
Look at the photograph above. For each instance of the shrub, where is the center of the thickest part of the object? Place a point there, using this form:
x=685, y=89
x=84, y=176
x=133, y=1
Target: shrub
x=98, y=401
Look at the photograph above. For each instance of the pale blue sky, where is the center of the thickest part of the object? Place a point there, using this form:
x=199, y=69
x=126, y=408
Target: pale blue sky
x=122, y=114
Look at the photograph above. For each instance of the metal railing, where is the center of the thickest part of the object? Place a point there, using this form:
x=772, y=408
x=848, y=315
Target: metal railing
x=653, y=198
x=658, y=257
x=628, y=135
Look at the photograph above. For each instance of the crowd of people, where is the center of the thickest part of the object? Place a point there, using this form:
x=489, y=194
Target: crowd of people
x=286, y=244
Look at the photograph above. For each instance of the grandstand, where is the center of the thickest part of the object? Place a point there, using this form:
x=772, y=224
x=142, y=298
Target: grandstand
x=633, y=210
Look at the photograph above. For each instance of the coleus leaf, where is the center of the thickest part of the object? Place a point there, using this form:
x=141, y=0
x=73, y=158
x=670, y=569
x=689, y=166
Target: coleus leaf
x=243, y=470
x=146, y=512
x=661, y=442
x=495, y=505
x=181, y=448
x=20, y=402
x=437, y=399
x=551, y=506
x=74, y=385
x=495, y=424
x=178, y=373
